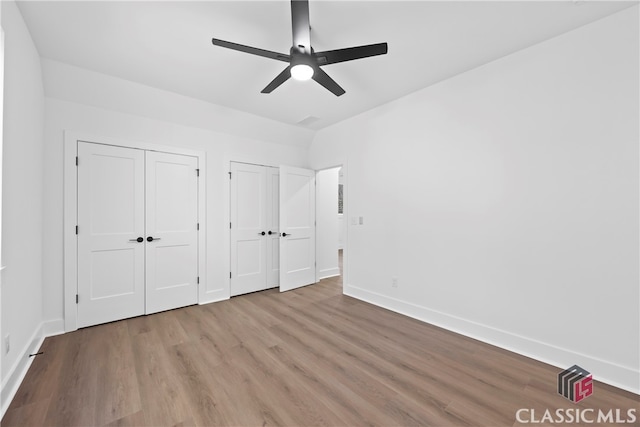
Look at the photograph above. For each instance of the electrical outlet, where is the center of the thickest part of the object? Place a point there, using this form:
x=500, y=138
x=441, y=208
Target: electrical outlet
x=394, y=282
x=7, y=344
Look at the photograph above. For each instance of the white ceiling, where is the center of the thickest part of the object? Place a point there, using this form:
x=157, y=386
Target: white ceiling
x=168, y=45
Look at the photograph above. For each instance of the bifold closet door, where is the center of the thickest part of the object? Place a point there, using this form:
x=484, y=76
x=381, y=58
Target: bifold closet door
x=111, y=228
x=171, y=231
x=254, y=228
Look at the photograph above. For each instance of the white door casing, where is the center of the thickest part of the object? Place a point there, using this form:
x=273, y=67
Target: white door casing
x=297, y=227
x=73, y=163
x=111, y=219
x=171, y=238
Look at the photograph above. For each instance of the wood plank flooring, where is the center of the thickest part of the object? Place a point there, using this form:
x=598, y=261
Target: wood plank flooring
x=302, y=358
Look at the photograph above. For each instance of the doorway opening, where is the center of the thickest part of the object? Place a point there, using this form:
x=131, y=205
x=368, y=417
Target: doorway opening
x=331, y=226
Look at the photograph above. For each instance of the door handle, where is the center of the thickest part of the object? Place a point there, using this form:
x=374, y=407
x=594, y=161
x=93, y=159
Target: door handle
x=151, y=239
x=270, y=233
x=262, y=234
x=285, y=234
x=139, y=240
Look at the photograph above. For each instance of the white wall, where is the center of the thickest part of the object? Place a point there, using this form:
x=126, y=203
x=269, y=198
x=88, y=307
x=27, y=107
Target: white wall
x=22, y=194
x=327, y=223
x=70, y=83
x=505, y=201
x=1, y=138
x=134, y=121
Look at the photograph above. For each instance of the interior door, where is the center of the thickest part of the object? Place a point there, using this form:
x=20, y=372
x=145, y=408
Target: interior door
x=297, y=227
x=248, y=228
x=171, y=231
x=110, y=233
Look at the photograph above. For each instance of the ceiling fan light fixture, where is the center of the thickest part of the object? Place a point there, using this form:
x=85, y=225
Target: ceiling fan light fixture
x=303, y=62
x=302, y=72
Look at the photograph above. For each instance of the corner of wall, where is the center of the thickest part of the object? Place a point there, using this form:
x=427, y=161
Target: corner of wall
x=618, y=376
x=18, y=371
x=22, y=194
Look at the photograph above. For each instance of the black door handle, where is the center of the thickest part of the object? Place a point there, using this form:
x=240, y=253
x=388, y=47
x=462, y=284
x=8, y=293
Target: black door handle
x=263, y=233
x=285, y=234
x=139, y=240
x=151, y=239
x=270, y=233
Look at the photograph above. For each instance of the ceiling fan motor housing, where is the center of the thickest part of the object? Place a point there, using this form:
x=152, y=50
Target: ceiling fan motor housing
x=304, y=63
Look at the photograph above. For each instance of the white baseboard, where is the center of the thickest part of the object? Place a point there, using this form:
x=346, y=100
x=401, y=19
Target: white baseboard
x=19, y=370
x=607, y=372
x=329, y=272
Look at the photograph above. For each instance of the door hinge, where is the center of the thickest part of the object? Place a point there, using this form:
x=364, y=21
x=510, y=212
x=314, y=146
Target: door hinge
x=229, y=225
x=229, y=175
x=198, y=279
x=198, y=226
x=76, y=160
x=77, y=298
x=76, y=229
x=197, y=172
x=229, y=275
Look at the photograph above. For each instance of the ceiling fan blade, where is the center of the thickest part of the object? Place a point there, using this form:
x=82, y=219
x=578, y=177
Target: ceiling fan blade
x=252, y=50
x=350, y=53
x=323, y=78
x=300, y=25
x=280, y=78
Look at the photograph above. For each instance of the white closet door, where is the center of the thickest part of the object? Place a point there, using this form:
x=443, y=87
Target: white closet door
x=273, y=227
x=248, y=228
x=110, y=219
x=171, y=231
x=297, y=227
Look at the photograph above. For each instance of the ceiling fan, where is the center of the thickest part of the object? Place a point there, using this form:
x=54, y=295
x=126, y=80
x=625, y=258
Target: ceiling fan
x=304, y=63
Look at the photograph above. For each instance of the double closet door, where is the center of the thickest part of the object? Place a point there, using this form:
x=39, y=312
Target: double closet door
x=272, y=225
x=137, y=232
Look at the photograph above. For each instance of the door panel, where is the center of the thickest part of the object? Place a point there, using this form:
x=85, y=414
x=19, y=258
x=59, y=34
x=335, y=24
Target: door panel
x=110, y=215
x=273, y=225
x=297, y=227
x=171, y=220
x=247, y=213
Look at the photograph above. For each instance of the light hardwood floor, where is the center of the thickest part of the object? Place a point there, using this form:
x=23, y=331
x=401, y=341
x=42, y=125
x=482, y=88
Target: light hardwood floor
x=306, y=357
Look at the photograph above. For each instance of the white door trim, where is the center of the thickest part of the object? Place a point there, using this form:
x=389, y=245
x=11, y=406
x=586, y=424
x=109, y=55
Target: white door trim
x=336, y=272
x=343, y=163
x=70, y=214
